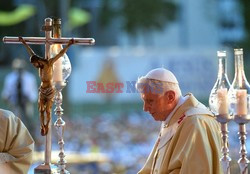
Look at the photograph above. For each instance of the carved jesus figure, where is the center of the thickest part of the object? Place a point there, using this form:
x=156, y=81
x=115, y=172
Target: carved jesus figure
x=46, y=89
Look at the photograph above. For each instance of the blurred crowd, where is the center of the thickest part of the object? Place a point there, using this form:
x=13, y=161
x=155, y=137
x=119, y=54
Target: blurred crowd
x=126, y=139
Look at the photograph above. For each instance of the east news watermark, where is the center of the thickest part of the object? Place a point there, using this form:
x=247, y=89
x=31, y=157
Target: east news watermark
x=122, y=87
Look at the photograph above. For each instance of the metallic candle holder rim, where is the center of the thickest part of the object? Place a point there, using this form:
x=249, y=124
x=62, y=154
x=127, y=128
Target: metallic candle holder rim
x=59, y=85
x=242, y=119
x=223, y=118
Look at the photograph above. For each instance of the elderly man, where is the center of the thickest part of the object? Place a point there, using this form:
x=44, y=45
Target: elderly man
x=16, y=145
x=189, y=140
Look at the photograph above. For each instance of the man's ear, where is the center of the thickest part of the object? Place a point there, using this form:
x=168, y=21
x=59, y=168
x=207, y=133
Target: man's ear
x=170, y=96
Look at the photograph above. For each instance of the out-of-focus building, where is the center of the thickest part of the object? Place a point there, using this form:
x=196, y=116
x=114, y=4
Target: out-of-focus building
x=187, y=46
x=199, y=24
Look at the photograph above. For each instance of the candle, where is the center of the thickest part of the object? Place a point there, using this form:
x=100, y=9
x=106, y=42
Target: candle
x=57, y=74
x=222, y=101
x=241, y=106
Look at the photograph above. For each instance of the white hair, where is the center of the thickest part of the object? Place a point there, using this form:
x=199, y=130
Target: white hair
x=143, y=85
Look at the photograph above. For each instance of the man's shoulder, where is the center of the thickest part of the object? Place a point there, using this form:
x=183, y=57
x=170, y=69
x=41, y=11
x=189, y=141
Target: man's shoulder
x=196, y=125
x=6, y=114
x=200, y=117
x=198, y=113
x=199, y=121
x=198, y=109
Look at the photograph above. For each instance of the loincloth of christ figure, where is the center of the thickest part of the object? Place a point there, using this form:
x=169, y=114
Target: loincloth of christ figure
x=46, y=89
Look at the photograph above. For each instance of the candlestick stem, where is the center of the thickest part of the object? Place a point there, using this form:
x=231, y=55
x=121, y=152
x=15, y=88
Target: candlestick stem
x=243, y=161
x=60, y=125
x=225, y=159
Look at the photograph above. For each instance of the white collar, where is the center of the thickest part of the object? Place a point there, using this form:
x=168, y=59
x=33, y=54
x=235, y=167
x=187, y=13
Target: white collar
x=180, y=102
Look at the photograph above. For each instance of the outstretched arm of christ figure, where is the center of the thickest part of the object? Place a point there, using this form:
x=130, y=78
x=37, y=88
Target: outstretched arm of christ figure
x=31, y=52
x=63, y=51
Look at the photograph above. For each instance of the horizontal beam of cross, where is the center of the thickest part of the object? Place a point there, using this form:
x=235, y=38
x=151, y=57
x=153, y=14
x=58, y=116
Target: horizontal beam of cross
x=43, y=40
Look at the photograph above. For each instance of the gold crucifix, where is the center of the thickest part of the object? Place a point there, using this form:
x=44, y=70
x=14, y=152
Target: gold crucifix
x=46, y=89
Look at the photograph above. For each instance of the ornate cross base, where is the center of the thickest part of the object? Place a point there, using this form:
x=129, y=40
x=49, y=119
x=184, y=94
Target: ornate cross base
x=46, y=169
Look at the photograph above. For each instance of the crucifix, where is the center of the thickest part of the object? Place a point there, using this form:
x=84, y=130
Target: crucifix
x=48, y=40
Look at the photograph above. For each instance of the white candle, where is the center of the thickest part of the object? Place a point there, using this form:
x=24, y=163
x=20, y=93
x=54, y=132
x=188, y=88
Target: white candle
x=241, y=106
x=57, y=74
x=222, y=101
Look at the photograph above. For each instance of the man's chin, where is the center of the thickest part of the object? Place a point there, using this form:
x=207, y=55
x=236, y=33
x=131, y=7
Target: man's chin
x=155, y=117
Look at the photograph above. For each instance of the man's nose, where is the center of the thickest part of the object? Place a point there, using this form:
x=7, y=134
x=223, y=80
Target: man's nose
x=146, y=107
